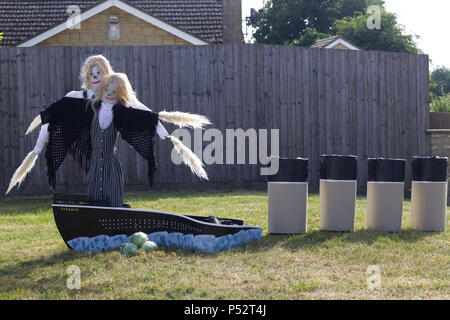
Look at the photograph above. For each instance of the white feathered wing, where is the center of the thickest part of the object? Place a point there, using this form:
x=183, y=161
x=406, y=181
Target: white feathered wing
x=22, y=171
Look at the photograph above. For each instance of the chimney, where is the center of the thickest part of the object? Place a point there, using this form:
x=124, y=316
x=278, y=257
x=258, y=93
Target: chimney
x=232, y=21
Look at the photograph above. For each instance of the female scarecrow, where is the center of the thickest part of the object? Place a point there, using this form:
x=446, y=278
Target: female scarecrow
x=87, y=129
x=94, y=69
x=137, y=127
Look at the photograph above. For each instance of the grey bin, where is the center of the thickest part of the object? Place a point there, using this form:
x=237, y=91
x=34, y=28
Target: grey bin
x=429, y=193
x=337, y=192
x=288, y=197
x=385, y=191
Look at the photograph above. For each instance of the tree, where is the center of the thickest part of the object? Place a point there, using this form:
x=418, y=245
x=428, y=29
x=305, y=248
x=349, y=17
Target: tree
x=309, y=37
x=283, y=21
x=302, y=22
x=390, y=37
x=440, y=78
x=441, y=104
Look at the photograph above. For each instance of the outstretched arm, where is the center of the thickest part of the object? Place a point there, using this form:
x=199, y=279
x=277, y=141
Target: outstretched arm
x=42, y=139
x=43, y=134
x=72, y=94
x=160, y=130
x=138, y=127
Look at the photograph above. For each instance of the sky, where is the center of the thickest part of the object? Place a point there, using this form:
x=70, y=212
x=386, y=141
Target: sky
x=428, y=19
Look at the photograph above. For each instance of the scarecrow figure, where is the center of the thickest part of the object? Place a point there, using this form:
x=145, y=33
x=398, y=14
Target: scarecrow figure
x=87, y=129
x=94, y=69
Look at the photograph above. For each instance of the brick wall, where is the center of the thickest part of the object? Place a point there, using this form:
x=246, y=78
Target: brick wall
x=133, y=32
x=232, y=21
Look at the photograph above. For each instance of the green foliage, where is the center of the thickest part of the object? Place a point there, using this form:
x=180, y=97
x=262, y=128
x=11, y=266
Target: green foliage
x=440, y=81
x=302, y=22
x=310, y=36
x=441, y=104
x=390, y=37
x=433, y=87
x=1, y=36
x=283, y=21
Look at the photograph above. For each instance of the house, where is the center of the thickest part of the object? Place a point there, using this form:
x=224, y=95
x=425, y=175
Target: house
x=120, y=22
x=335, y=42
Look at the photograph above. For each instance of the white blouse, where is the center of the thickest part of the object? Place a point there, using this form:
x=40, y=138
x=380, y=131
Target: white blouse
x=105, y=118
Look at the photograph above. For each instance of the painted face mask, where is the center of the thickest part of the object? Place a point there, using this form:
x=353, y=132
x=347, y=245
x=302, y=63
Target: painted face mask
x=96, y=78
x=110, y=94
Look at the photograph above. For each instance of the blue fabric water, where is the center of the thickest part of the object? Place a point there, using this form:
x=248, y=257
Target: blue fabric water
x=200, y=243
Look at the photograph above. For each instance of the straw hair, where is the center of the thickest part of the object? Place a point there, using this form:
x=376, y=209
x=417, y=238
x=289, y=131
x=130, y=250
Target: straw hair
x=34, y=124
x=189, y=158
x=184, y=119
x=22, y=171
x=122, y=86
x=98, y=61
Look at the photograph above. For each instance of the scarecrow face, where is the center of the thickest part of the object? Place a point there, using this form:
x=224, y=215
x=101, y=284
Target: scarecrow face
x=110, y=94
x=96, y=78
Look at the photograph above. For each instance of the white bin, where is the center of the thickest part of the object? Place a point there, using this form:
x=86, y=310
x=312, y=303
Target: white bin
x=288, y=197
x=429, y=194
x=385, y=192
x=428, y=205
x=337, y=192
x=288, y=207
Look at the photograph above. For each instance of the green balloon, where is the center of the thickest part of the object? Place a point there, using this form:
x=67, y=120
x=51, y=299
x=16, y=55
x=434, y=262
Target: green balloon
x=128, y=248
x=149, y=246
x=138, y=239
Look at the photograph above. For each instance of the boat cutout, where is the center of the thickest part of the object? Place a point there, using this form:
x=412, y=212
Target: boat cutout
x=77, y=217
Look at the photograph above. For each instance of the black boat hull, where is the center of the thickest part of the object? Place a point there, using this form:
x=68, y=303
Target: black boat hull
x=75, y=221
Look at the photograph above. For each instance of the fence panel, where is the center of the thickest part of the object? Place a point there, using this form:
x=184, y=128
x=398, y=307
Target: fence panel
x=370, y=104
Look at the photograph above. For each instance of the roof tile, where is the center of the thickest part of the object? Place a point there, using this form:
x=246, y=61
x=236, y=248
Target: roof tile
x=23, y=20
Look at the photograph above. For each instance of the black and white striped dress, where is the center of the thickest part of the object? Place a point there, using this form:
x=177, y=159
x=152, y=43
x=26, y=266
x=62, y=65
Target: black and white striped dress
x=105, y=177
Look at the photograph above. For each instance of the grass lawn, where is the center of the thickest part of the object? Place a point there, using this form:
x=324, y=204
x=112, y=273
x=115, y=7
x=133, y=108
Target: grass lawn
x=315, y=265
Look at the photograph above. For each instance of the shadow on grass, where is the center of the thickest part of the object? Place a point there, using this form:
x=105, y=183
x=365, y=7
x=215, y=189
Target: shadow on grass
x=49, y=286
x=15, y=206
x=317, y=239
x=310, y=241
x=314, y=240
x=21, y=269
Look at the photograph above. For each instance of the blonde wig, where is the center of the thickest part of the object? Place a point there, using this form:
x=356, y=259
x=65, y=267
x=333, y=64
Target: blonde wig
x=98, y=61
x=122, y=86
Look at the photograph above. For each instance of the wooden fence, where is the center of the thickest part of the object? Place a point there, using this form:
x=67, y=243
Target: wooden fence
x=439, y=120
x=370, y=104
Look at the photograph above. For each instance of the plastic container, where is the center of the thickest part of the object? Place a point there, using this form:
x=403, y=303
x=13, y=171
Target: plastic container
x=288, y=197
x=337, y=192
x=429, y=193
x=385, y=190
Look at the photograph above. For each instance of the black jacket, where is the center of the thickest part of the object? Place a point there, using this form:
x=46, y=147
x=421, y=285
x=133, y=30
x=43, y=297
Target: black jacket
x=69, y=129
